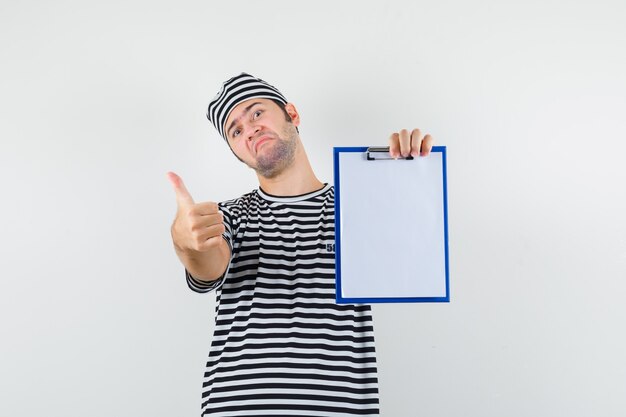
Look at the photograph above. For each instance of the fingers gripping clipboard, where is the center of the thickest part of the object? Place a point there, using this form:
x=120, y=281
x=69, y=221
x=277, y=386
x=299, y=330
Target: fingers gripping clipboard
x=391, y=227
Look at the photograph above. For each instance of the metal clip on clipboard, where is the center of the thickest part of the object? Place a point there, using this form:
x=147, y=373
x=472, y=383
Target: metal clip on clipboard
x=379, y=153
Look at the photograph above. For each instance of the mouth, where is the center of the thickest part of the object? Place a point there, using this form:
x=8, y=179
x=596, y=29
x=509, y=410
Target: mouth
x=259, y=141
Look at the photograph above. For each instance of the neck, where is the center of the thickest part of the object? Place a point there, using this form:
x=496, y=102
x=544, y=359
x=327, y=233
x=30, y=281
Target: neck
x=298, y=178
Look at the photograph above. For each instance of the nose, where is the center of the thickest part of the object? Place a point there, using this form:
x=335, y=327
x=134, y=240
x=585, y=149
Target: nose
x=251, y=130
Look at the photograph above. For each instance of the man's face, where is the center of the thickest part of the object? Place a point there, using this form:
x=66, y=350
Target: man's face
x=261, y=137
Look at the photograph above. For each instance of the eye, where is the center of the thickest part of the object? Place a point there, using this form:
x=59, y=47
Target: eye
x=235, y=132
x=257, y=114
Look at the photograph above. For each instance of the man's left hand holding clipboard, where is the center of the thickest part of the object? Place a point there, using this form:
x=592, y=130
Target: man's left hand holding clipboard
x=402, y=144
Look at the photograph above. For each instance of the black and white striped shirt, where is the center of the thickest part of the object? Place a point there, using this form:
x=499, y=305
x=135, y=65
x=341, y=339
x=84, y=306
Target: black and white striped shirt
x=281, y=345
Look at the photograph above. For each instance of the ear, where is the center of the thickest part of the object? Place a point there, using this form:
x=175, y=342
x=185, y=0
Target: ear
x=293, y=113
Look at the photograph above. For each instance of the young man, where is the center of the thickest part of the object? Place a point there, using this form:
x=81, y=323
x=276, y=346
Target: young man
x=281, y=345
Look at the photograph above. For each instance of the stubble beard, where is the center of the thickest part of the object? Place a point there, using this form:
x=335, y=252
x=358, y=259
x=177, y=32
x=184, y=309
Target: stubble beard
x=281, y=155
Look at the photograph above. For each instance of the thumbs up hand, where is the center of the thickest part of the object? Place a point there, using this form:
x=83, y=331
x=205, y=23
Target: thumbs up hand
x=198, y=227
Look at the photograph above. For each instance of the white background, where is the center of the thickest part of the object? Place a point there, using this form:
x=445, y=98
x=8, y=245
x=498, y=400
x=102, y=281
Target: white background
x=98, y=100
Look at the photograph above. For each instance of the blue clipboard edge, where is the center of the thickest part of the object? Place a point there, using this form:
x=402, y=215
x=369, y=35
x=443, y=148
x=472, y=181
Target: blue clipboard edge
x=342, y=300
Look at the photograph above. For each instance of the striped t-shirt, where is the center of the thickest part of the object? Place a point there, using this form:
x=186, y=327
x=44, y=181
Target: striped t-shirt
x=281, y=345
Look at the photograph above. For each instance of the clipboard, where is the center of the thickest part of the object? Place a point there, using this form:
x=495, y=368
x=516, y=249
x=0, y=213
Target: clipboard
x=391, y=227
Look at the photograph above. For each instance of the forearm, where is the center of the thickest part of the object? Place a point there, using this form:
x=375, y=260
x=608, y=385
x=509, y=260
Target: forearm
x=206, y=266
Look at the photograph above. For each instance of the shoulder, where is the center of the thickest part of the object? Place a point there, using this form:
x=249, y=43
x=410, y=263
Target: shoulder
x=240, y=203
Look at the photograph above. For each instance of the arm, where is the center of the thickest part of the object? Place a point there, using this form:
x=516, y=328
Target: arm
x=204, y=266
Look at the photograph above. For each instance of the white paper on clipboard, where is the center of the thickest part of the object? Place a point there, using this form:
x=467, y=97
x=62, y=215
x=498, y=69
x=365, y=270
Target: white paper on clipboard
x=391, y=228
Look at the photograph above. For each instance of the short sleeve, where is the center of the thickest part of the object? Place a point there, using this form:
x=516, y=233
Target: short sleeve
x=230, y=224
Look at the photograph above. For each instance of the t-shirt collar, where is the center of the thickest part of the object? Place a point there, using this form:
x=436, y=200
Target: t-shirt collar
x=292, y=198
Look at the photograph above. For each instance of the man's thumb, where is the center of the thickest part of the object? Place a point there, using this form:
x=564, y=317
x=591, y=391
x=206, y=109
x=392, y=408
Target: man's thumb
x=183, y=198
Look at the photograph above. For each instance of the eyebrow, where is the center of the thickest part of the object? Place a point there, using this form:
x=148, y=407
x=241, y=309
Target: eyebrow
x=246, y=110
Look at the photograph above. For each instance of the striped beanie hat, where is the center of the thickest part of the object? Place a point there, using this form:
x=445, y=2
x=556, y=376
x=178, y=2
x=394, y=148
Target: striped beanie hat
x=235, y=90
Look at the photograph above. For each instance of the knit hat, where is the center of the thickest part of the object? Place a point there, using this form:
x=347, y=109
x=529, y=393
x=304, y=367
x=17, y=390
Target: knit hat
x=235, y=90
